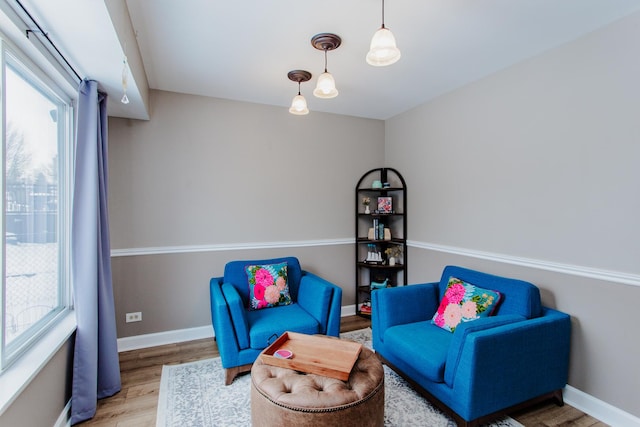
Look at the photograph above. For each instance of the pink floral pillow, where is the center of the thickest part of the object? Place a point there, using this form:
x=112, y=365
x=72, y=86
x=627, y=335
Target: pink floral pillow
x=268, y=286
x=464, y=302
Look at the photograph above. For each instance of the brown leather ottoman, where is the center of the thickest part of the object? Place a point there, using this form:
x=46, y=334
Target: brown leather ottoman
x=284, y=397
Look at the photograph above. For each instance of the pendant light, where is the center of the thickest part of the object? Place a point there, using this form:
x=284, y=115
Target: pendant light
x=383, y=50
x=326, y=86
x=299, y=104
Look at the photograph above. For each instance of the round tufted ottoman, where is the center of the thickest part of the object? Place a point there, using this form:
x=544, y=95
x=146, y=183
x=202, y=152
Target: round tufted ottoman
x=284, y=397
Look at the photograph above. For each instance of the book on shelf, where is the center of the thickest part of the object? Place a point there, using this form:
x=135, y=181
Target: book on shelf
x=365, y=308
x=374, y=234
x=378, y=230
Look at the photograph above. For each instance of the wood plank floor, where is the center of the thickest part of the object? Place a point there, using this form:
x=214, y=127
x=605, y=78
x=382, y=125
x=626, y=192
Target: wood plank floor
x=135, y=405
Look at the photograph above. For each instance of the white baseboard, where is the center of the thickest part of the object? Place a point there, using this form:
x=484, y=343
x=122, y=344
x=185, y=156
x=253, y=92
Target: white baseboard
x=599, y=409
x=171, y=337
x=64, y=420
x=348, y=310
x=163, y=338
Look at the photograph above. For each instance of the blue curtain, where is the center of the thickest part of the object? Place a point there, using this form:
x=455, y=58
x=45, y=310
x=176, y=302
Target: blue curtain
x=96, y=368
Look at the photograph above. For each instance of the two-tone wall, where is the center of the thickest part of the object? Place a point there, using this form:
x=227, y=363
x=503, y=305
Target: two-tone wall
x=206, y=181
x=533, y=173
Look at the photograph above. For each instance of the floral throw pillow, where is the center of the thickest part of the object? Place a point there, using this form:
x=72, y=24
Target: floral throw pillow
x=464, y=302
x=268, y=286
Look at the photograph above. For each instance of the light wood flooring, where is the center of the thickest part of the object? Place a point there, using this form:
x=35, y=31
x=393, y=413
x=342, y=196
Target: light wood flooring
x=135, y=405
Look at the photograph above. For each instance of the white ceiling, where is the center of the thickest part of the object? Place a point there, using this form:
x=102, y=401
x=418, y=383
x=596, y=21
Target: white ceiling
x=242, y=50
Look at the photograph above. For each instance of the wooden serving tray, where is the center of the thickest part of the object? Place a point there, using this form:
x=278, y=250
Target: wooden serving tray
x=314, y=354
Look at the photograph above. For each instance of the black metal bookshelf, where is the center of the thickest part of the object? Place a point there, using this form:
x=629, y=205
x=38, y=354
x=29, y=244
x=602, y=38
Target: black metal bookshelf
x=377, y=231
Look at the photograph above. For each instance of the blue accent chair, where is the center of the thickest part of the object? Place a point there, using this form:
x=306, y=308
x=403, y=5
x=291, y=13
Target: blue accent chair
x=241, y=334
x=487, y=367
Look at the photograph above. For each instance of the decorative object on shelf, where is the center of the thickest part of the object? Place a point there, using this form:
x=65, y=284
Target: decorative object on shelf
x=376, y=184
x=372, y=235
x=383, y=50
x=366, y=201
x=379, y=285
x=299, y=104
x=326, y=86
x=385, y=205
x=373, y=254
x=393, y=253
x=386, y=185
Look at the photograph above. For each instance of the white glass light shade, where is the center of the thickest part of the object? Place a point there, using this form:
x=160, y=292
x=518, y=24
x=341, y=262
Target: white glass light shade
x=383, y=50
x=299, y=106
x=326, y=87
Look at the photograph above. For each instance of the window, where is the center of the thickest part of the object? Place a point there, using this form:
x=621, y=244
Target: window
x=36, y=149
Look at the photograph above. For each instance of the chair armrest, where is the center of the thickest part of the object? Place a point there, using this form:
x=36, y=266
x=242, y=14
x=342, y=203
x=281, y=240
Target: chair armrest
x=402, y=305
x=221, y=319
x=462, y=332
x=219, y=316
x=518, y=361
x=228, y=317
x=238, y=313
x=322, y=300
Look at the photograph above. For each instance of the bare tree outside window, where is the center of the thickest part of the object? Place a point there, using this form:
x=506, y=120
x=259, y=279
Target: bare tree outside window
x=31, y=208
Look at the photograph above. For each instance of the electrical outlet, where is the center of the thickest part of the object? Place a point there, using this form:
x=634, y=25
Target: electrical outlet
x=134, y=317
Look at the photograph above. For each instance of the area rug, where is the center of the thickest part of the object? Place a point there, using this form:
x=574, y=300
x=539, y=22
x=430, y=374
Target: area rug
x=194, y=395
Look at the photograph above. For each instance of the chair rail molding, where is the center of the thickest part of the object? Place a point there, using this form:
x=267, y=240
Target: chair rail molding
x=228, y=247
x=575, y=270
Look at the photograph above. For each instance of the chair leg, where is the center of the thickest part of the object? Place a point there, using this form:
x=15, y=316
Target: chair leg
x=557, y=397
x=232, y=373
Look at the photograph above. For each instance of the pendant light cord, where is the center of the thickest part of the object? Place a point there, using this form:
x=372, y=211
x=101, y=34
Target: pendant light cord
x=382, y=13
x=325, y=59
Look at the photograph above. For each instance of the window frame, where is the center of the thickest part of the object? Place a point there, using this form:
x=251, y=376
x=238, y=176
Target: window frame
x=10, y=56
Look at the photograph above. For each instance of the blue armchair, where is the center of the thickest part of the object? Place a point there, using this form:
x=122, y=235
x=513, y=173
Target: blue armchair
x=241, y=334
x=486, y=367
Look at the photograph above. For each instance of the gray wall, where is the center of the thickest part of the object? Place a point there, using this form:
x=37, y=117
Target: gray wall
x=43, y=399
x=532, y=172
x=207, y=180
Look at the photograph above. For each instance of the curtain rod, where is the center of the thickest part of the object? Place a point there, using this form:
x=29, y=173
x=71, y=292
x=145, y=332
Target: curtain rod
x=46, y=37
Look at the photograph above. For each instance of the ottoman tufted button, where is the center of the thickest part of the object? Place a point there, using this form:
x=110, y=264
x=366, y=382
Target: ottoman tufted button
x=312, y=400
